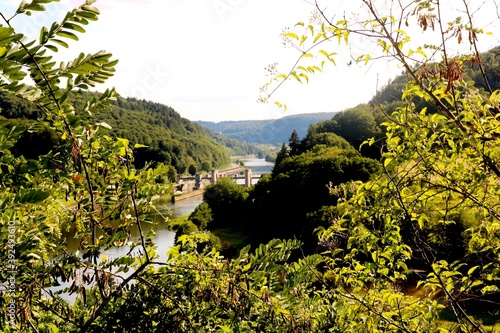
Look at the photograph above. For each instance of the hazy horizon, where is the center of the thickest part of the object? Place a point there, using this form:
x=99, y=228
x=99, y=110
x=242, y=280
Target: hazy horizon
x=207, y=60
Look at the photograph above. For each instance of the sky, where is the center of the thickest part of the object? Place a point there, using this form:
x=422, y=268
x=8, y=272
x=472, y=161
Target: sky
x=207, y=58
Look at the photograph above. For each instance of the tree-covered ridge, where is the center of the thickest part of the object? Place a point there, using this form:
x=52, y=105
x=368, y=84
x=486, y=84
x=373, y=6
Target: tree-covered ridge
x=364, y=121
x=266, y=131
x=169, y=138
x=484, y=76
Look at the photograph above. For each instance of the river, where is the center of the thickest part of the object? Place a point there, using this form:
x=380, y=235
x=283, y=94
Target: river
x=165, y=238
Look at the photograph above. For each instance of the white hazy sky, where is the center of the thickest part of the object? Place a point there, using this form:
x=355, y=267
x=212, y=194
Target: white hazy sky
x=206, y=58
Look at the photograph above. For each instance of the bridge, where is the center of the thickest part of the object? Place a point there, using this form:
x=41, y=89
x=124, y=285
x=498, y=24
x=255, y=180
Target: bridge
x=192, y=186
x=212, y=177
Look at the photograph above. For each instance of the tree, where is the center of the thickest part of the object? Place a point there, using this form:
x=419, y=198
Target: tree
x=206, y=166
x=270, y=157
x=192, y=170
x=294, y=143
x=281, y=155
x=171, y=174
x=440, y=164
x=323, y=133
x=226, y=200
x=201, y=216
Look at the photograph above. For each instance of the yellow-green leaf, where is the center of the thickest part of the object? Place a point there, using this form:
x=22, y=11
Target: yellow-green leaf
x=225, y=329
x=387, y=161
x=291, y=35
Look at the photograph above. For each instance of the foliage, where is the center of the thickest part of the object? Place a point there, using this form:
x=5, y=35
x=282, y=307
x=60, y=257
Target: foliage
x=201, y=216
x=271, y=157
x=294, y=143
x=226, y=200
x=300, y=185
x=161, y=134
x=358, y=125
x=387, y=235
x=270, y=131
x=281, y=155
x=245, y=294
x=435, y=207
x=280, y=203
x=206, y=166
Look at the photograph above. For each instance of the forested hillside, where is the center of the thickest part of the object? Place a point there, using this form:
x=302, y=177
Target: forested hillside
x=365, y=120
x=168, y=137
x=267, y=131
x=408, y=242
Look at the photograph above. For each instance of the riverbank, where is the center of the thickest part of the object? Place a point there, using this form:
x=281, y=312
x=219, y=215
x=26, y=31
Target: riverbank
x=188, y=195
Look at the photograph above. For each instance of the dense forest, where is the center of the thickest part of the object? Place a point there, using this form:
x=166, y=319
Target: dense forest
x=300, y=197
x=286, y=203
x=266, y=131
x=330, y=153
x=163, y=135
x=393, y=227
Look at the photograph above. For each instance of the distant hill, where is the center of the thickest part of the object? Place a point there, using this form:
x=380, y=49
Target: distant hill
x=169, y=138
x=271, y=131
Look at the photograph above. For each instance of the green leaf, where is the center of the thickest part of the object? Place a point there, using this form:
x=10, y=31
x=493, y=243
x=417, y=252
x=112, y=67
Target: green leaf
x=422, y=220
x=33, y=197
x=226, y=329
x=60, y=42
x=90, y=9
x=318, y=36
x=35, y=7
x=52, y=48
x=67, y=34
x=73, y=26
x=387, y=161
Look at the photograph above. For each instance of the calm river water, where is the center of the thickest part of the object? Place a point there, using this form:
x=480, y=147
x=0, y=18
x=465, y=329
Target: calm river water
x=165, y=238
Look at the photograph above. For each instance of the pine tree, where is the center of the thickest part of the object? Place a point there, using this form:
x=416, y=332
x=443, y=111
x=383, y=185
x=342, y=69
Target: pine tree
x=282, y=154
x=294, y=143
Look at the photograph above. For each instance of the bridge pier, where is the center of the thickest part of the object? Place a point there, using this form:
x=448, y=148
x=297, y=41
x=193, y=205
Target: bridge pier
x=248, y=177
x=213, y=180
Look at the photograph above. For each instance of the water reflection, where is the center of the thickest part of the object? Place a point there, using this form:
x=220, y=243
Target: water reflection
x=164, y=238
x=258, y=165
x=180, y=208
